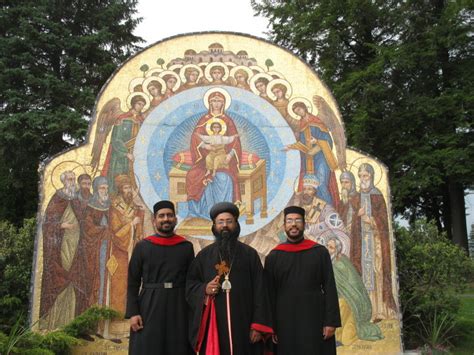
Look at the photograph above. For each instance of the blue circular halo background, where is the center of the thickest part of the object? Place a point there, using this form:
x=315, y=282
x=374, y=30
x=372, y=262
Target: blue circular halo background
x=262, y=130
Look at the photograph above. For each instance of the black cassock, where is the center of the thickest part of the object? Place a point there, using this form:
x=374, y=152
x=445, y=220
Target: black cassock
x=303, y=296
x=161, y=264
x=249, y=305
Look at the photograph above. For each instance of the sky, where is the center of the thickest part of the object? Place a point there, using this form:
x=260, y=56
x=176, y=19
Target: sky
x=163, y=19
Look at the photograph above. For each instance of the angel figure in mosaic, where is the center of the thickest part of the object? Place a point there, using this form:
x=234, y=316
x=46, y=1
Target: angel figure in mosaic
x=124, y=127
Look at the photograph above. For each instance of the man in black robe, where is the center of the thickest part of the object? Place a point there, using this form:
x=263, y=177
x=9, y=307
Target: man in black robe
x=302, y=291
x=225, y=289
x=158, y=312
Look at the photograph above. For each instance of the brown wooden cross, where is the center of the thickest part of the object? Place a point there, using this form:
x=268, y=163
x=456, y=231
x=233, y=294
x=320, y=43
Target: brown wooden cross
x=222, y=268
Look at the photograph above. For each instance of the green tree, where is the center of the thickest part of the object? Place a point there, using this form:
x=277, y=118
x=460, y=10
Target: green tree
x=54, y=58
x=144, y=68
x=160, y=62
x=402, y=72
x=268, y=64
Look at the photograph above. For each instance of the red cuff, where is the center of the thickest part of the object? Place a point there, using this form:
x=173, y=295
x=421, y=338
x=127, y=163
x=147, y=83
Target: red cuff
x=261, y=328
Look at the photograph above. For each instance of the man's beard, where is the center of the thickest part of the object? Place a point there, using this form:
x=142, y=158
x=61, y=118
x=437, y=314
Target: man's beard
x=226, y=241
x=307, y=199
x=128, y=198
x=365, y=185
x=103, y=198
x=345, y=196
x=70, y=190
x=297, y=237
x=166, y=230
x=85, y=194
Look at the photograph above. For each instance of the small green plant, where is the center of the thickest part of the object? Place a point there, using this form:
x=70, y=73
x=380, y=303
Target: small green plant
x=87, y=322
x=17, y=333
x=21, y=340
x=437, y=331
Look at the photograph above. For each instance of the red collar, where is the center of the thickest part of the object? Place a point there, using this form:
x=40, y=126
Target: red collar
x=167, y=241
x=305, y=244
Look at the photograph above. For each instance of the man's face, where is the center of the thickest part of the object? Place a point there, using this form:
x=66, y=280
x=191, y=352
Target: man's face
x=261, y=87
x=217, y=74
x=103, y=191
x=85, y=185
x=346, y=184
x=171, y=82
x=225, y=222
x=154, y=91
x=70, y=180
x=365, y=179
x=69, y=184
x=127, y=191
x=165, y=221
x=294, y=226
x=308, y=194
x=217, y=103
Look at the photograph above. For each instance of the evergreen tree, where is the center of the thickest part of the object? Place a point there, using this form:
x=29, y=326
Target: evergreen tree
x=402, y=72
x=55, y=55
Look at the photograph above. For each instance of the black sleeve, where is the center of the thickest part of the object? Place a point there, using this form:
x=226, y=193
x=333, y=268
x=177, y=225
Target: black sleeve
x=261, y=319
x=331, y=317
x=270, y=284
x=135, y=268
x=195, y=294
x=189, y=257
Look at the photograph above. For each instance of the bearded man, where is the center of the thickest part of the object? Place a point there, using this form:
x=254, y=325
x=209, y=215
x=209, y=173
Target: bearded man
x=61, y=283
x=371, y=245
x=303, y=292
x=349, y=200
x=96, y=234
x=84, y=183
x=156, y=303
x=225, y=289
x=126, y=224
x=321, y=217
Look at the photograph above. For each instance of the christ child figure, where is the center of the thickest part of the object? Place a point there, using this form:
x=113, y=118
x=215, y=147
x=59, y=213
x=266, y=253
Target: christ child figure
x=215, y=143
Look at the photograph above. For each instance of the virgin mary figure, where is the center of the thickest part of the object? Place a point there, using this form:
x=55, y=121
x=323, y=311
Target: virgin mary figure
x=203, y=189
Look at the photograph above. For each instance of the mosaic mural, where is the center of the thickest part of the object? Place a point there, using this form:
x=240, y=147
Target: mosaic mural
x=199, y=119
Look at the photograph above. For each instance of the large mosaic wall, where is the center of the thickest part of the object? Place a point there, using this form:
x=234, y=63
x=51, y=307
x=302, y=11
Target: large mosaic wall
x=204, y=118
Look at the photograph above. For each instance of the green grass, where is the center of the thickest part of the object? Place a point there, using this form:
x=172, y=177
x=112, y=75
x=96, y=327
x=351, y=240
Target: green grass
x=464, y=345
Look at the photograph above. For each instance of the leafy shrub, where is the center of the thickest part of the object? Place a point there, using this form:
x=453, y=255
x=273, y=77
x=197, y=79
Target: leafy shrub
x=432, y=272
x=22, y=340
x=87, y=322
x=16, y=260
